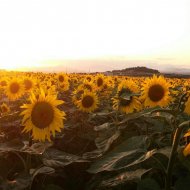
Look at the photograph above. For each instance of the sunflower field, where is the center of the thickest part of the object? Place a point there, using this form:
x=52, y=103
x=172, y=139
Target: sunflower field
x=63, y=131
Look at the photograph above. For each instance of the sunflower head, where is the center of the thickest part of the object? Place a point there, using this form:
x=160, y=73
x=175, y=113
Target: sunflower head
x=155, y=92
x=125, y=99
x=42, y=116
x=28, y=84
x=3, y=82
x=62, y=77
x=88, y=102
x=14, y=89
x=99, y=81
x=64, y=86
x=4, y=109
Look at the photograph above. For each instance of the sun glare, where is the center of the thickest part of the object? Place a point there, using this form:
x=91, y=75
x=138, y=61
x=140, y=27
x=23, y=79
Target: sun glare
x=92, y=29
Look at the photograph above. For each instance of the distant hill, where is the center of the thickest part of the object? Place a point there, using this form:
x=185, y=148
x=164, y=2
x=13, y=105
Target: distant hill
x=134, y=71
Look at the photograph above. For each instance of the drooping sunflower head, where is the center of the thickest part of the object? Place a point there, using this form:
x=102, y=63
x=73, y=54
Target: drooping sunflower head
x=14, y=89
x=42, y=116
x=155, y=92
x=88, y=102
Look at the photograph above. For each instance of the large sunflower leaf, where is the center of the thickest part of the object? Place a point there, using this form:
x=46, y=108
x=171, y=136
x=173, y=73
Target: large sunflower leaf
x=120, y=180
x=127, y=151
x=55, y=158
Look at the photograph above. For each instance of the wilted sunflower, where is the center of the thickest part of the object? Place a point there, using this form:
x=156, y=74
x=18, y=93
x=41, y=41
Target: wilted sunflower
x=126, y=99
x=42, y=116
x=14, y=89
x=155, y=92
x=88, y=102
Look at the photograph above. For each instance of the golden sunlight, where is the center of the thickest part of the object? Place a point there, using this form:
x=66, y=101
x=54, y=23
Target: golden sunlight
x=92, y=29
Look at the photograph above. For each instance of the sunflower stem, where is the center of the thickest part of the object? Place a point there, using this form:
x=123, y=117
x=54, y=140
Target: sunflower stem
x=28, y=159
x=173, y=154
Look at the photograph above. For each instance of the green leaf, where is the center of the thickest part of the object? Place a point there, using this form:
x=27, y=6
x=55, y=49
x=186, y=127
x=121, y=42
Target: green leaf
x=117, y=180
x=56, y=159
x=124, y=154
x=42, y=170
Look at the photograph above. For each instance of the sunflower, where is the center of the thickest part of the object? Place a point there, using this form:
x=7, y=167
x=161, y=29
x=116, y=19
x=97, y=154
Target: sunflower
x=77, y=94
x=28, y=84
x=4, y=109
x=42, y=116
x=186, y=150
x=86, y=85
x=14, y=89
x=155, y=92
x=3, y=82
x=89, y=78
x=88, y=101
x=99, y=81
x=64, y=86
x=126, y=99
x=62, y=77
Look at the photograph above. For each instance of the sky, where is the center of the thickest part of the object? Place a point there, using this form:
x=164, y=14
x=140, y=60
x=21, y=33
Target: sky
x=94, y=35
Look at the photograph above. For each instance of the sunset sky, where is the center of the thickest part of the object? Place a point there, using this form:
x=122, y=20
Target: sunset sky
x=90, y=35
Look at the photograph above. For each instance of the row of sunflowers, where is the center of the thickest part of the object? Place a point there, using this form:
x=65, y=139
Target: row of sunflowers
x=65, y=119
x=126, y=94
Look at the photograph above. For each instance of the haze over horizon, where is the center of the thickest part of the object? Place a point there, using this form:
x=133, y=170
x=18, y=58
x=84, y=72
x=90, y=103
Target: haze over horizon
x=108, y=64
x=96, y=35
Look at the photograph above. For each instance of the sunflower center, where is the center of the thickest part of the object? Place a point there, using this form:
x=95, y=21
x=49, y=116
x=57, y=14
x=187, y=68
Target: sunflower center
x=156, y=93
x=28, y=84
x=87, y=101
x=88, y=78
x=3, y=83
x=61, y=78
x=14, y=87
x=42, y=115
x=99, y=82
